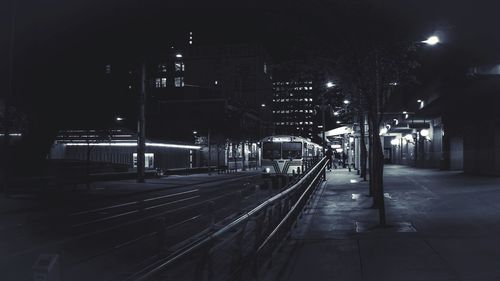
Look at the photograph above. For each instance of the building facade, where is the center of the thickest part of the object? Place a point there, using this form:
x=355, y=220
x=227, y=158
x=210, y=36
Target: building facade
x=294, y=108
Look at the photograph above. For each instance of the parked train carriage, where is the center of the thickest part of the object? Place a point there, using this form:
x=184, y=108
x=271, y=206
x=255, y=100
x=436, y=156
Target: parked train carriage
x=287, y=155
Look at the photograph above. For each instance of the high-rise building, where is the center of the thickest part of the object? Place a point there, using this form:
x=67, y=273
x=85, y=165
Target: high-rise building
x=294, y=108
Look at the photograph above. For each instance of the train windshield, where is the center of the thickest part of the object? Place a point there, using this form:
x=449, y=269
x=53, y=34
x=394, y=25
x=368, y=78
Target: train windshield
x=291, y=150
x=271, y=150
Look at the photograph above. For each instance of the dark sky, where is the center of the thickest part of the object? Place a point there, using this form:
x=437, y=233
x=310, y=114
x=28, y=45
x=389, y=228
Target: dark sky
x=60, y=44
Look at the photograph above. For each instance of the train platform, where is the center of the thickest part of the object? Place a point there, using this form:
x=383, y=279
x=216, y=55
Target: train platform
x=442, y=226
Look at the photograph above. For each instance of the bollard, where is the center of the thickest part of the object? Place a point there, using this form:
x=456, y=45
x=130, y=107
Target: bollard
x=47, y=268
x=298, y=170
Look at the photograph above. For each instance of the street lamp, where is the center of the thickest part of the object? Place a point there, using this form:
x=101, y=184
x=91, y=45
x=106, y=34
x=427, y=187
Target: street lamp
x=328, y=85
x=432, y=40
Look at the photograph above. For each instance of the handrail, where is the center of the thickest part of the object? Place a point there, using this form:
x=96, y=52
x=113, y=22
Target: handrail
x=181, y=253
x=280, y=224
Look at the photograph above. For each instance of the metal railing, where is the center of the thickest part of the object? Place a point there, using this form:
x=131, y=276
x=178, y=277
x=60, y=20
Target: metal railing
x=238, y=250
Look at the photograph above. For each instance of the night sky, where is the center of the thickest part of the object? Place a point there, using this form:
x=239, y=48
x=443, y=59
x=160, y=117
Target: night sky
x=61, y=45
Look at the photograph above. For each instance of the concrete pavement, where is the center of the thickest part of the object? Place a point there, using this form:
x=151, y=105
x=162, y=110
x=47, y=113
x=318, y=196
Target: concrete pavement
x=444, y=226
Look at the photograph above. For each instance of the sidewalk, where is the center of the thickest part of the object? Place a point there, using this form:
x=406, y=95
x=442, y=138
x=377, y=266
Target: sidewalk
x=445, y=226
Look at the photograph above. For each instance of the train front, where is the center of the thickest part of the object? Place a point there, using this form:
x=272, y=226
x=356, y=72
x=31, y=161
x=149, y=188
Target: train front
x=282, y=155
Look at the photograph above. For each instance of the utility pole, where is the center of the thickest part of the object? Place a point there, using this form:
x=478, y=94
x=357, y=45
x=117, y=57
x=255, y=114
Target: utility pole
x=9, y=95
x=323, y=133
x=209, y=154
x=141, y=134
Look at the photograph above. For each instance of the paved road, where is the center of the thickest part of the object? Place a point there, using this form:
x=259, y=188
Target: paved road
x=445, y=226
x=113, y=227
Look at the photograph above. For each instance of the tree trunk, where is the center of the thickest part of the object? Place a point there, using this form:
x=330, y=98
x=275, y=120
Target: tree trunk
x=363, y=151
x=370, y=159
x=378, y=171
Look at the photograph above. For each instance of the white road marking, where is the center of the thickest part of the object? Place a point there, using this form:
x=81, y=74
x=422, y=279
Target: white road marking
x=171, y=202
x=170, y=195
x=101, y=209
x=105, y=218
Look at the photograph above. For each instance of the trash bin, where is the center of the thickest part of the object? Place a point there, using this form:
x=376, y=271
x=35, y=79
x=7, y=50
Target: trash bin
x=47, y=268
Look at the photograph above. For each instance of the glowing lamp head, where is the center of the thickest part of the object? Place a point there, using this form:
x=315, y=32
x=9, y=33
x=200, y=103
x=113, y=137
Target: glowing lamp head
x=330, y=84
x=424, y=133
x=431, y=41
x=263, y=105
x=347, y=102
x=267, y=170
x=178, y=55
x=394, y=142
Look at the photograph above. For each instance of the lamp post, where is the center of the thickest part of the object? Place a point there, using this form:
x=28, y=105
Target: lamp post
x=329, y=85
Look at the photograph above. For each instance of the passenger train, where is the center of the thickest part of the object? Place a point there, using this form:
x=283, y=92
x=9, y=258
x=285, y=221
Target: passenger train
x=287, y=155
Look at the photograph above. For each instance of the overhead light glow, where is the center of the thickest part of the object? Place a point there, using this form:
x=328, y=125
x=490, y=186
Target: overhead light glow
x=178, y=55
x=409, y=137
x=346, y=102
x=263, y=105
x=424, y=133
x=336, y=113
x=119, y=119
x=433, y=40
x=330, y=84
x=129, y=144
x=394, y=141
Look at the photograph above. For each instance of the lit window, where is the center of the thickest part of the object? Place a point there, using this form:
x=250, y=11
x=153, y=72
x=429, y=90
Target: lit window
x=163, y=82
x=179, y=66
x=158, y=82
x=179, y=81
x=162, y=67
x=108, y=68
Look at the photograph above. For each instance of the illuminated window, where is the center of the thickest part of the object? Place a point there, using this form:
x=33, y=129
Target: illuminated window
x=108, y=68
x=162, y=67
x=179, y=81
x=163, y=82
x=179, y=66
x=158, y=82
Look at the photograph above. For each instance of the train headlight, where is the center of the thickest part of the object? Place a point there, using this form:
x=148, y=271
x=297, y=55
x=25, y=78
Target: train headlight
x=268, y=170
